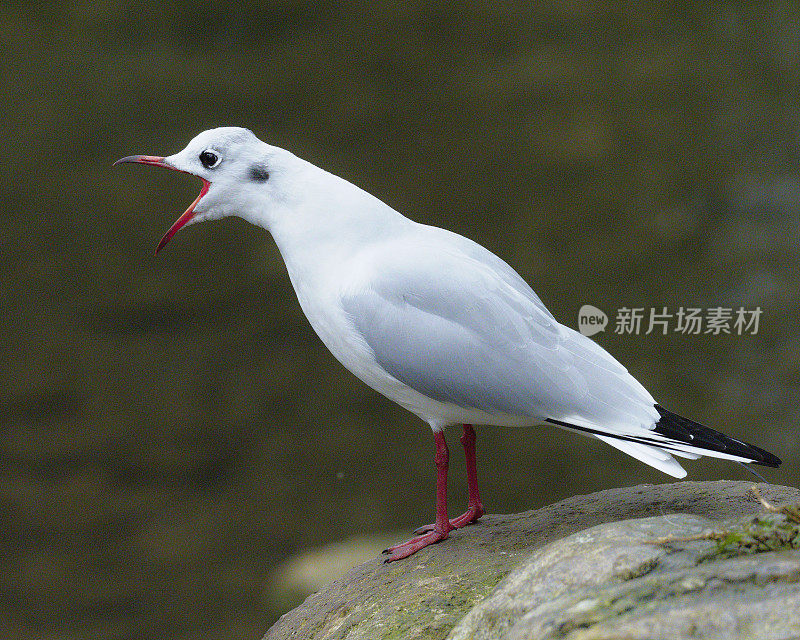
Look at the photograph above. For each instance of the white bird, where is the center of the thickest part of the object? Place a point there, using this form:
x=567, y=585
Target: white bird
x=432, y=320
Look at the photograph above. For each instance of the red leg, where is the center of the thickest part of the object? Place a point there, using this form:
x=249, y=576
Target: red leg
x=475, y=506
x=442, y=527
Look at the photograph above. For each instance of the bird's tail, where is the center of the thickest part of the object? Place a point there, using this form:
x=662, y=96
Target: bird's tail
x=683, y=434
x=675, y=435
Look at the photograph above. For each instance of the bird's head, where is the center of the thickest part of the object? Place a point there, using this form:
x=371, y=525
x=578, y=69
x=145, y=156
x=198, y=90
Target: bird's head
x=236, y=168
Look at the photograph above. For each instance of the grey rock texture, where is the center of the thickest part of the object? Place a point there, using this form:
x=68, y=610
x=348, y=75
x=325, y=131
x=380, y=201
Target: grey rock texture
x=502, y=578
x=612, y=581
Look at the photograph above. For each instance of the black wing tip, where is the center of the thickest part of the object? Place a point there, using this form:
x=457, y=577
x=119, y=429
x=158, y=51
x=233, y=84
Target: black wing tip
x=684, y=430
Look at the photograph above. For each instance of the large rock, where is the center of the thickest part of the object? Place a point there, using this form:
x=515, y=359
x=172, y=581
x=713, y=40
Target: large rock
x=607, y=582
x=612, y=581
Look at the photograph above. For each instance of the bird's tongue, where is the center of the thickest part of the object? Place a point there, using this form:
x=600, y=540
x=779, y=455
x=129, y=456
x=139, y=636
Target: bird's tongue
x=184, y=219
x=158, y=161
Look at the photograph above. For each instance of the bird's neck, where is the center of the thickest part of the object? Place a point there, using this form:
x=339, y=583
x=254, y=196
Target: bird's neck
x=328, y=224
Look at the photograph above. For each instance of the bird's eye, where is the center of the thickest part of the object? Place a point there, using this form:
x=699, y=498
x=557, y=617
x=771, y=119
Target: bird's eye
x=209, y=159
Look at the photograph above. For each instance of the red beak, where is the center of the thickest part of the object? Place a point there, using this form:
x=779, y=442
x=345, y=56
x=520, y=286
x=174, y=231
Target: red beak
x=158, y=161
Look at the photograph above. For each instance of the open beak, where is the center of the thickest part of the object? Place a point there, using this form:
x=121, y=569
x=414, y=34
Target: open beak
x=158, y=161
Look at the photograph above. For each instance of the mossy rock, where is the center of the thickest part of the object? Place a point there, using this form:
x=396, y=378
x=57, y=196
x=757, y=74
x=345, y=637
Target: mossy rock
x=427, y=595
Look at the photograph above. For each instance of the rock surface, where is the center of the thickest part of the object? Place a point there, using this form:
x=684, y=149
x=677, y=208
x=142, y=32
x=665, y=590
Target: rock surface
x=607, y=582
x=612, y=581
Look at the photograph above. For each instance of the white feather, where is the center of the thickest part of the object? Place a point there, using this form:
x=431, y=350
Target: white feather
x=657, y=458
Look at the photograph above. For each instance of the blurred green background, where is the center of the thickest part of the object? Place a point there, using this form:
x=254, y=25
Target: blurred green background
x=171, y=427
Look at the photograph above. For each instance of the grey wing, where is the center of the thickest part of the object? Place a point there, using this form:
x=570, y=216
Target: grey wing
x=458, y=331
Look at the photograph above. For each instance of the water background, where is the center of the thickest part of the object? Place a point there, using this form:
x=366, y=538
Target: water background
x=171, y=427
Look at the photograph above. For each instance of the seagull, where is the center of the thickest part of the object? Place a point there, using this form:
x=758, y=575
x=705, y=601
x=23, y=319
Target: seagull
x=432, y=320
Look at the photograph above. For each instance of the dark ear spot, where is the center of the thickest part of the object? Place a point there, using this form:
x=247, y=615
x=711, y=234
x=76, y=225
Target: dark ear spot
x=258, y=173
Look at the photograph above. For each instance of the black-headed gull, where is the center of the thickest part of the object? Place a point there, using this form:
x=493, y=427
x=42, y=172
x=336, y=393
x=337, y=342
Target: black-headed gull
x=432, y=320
